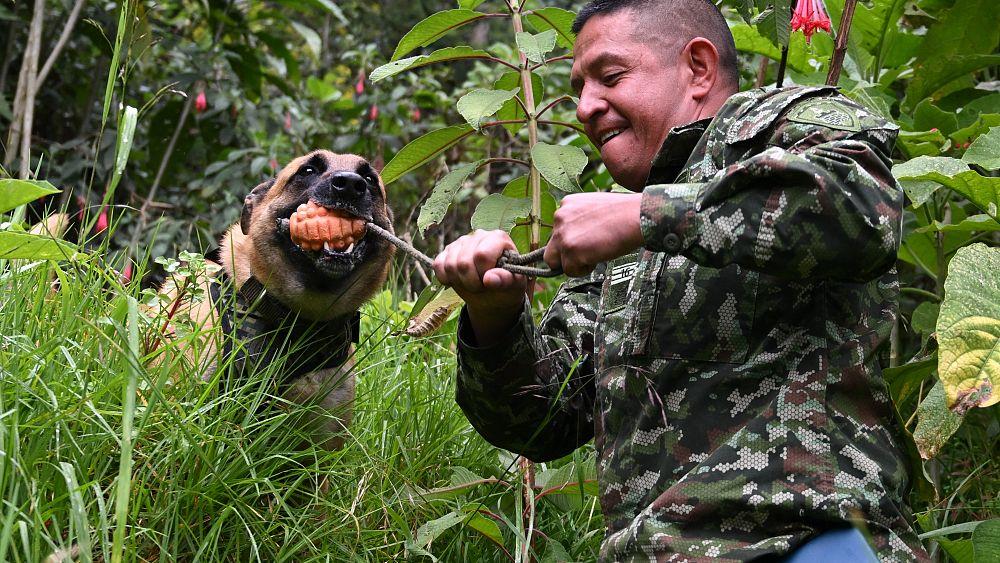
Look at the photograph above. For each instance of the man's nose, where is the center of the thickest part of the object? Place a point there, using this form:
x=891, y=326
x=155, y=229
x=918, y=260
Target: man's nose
x=591, y=105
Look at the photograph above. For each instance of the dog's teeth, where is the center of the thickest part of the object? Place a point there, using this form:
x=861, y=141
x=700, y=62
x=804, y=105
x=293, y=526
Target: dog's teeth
x=326, y=245
x=350, y=248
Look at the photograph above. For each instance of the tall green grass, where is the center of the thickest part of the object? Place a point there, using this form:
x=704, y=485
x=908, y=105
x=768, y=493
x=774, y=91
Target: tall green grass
x=109, y=455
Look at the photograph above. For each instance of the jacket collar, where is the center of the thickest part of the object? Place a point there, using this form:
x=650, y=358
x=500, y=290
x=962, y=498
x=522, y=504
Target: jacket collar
x=677, y=148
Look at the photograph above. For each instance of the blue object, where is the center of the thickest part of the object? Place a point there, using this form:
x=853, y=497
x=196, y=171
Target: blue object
x=845, y=545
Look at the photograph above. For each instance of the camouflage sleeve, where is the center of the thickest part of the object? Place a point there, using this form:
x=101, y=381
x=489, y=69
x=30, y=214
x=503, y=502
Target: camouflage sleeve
x=533, y=392
x=816, y=203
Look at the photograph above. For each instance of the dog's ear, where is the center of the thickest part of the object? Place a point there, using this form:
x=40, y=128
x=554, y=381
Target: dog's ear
x=252, y=198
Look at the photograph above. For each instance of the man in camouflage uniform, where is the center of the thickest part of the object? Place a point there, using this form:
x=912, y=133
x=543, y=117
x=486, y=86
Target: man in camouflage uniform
x=720, y=341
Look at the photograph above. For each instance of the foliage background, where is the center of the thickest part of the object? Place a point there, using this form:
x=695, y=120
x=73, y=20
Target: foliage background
x=284, y=77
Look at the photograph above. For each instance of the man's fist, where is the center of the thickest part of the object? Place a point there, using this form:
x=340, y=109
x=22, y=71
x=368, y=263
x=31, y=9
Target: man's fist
x=592, y=228
x=493, y=296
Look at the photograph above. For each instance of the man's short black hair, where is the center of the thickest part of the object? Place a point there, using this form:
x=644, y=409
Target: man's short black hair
x=680, y=19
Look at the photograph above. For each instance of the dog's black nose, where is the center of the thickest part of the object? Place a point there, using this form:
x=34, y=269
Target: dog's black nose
x=348, y=184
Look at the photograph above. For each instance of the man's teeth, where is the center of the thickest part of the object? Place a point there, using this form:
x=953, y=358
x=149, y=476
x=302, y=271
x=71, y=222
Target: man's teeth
x=608, y=136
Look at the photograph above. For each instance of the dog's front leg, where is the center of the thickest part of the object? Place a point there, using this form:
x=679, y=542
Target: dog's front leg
x=328, y=394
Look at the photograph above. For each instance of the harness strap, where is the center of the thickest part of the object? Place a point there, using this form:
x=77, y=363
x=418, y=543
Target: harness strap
x=260, y=330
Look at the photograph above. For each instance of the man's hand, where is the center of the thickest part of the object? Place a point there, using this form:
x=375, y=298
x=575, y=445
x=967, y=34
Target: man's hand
x=592, y=228
x=493, y=296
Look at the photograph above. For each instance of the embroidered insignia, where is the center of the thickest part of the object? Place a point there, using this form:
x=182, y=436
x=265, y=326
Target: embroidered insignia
x=826, y=112
x=621, y=271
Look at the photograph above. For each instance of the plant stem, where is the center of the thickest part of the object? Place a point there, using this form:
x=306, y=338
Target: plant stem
x=534, y=180
x=843, y=31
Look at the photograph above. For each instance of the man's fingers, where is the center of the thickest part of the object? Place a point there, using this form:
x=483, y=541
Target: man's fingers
x=552, y=256
x=440, y=267
x=498, y=278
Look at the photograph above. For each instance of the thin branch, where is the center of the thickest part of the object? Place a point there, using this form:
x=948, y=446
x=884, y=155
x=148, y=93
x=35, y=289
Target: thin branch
x=564, y=124
x=521, y=103
x=505, y=159
x=837, y=63
x=553, y=103
x=552, y=60
x=74, y=15
x=32, y=88
x=762, y=71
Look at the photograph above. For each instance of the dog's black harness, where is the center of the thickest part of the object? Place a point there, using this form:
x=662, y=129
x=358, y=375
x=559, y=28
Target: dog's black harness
x=259, y=330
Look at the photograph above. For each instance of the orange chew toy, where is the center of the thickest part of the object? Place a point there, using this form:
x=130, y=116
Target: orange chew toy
x=313, y=226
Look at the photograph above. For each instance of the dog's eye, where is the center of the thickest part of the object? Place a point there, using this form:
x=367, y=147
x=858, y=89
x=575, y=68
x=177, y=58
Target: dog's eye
x=372, y=178
x=307, y=171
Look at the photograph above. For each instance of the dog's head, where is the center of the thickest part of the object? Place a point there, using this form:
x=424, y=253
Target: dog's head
x=325, y=282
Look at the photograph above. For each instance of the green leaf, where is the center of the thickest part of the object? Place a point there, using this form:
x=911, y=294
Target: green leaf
x=919, y=167
x=500, y=212
x=313, y=42
x=447, y=54
x=15, y=245
x=429, y=531
x=980, y=126
x=924, y=318
x=986, y=542
x=928, y=116
x=433, y=28
x=422, y=149
x=968, y=329
x=556, y=19
x=560, y=165
x=982, y=191
x=959, y=550
x=482, y=524
x=930, y=77
x=977, y=223
x=437, y=204
x=14, y=193
x=126, y=134
x=470, y=4
x=963, y=528
x=481, y=103
x=782, y=21
x=749, y=40
x=521, y=234
x=985, y=151
x=935, y=422
x=905, y=380
x=535, y=47
x=458, y=487
x=511, y=110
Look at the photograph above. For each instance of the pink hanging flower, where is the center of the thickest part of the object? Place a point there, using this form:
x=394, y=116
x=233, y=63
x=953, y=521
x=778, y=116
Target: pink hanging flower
x=809, y=16
x=415, y=115
x=373, y=112
x=201, y=102
x=102, y=221
x=359, y=87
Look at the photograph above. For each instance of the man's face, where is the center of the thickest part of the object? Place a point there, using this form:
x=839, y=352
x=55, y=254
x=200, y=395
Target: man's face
x=630, y=97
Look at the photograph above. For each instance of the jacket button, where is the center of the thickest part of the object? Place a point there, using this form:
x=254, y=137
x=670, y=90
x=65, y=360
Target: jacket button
x=672, y=242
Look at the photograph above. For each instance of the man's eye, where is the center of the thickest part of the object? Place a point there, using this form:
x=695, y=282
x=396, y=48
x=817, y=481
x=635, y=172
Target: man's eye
x=611, y=79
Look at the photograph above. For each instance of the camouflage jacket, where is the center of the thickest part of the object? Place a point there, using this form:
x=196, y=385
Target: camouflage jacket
x=728, y=371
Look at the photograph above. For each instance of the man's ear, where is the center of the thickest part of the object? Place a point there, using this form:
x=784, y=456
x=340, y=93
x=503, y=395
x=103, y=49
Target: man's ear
x=252, y=198
x=702, y=59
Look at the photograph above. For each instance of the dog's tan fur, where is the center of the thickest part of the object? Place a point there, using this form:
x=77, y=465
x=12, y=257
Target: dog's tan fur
x=251, y=249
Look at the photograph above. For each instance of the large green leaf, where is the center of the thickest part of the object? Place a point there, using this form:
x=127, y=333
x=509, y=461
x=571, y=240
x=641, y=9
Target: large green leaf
x=556, y=19
x=970, y=27
x=511, y=110
x=560, y=165
x=930, y=77
x=535, y=47
x=498, y=211
x=521, y=234
x=481, y=103
x=977, y=223
x=935, y=422
x=433, y=28
x=18, y=192
x=982, y=191
x=968, y=329
x=437, y=204
x=447, y=54
x=422, y=149
x=749, y=40
x=905, y=380
x=985, y=151
x=16, y=244
x=986, y=542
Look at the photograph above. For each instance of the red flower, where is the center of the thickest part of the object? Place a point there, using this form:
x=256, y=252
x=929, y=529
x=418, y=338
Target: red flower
x=373, y=112
x=809, y=16
x=127, y=273
x=102, y=221
x=288, y=121
x=415, y=116
x=273, y=163
x=359, y=88
x=200, y=103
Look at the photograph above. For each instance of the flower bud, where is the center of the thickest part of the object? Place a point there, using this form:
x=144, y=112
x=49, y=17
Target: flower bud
x=201, y=102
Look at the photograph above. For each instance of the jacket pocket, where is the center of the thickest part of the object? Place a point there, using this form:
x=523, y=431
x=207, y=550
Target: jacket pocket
x=700, y=313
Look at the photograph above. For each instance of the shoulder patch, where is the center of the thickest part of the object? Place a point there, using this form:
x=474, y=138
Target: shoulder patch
x=826, y=112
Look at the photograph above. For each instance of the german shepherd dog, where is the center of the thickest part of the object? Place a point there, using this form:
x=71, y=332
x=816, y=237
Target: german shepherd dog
x=277, y=300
